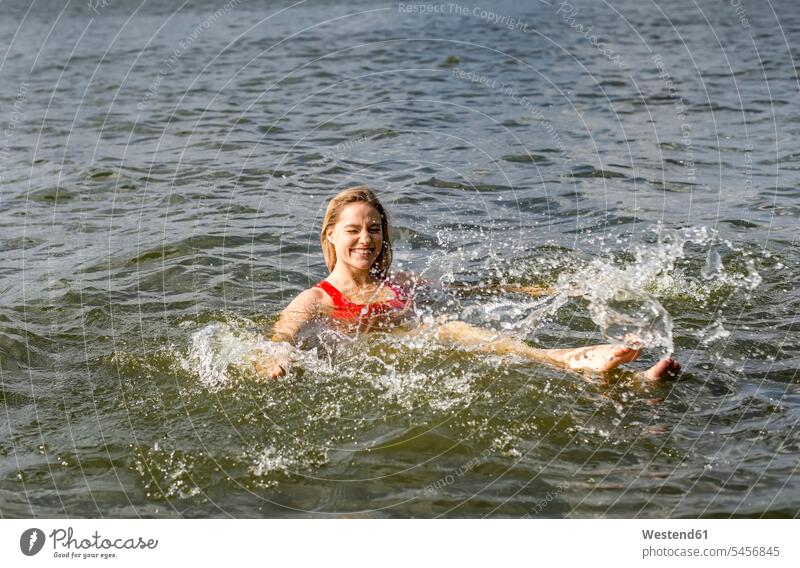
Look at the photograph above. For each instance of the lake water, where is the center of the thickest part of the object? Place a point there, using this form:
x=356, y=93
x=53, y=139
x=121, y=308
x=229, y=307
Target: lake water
x=164, y=175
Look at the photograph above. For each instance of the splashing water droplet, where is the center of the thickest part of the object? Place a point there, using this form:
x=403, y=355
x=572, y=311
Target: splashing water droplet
x=713, y=265
x=217, y=346
x=714, y=332
x=635, y=318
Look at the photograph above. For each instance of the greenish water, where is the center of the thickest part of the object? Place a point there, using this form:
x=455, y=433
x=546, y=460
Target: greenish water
x=163, y=182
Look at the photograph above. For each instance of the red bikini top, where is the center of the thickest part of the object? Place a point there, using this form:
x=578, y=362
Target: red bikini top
x=345, y=309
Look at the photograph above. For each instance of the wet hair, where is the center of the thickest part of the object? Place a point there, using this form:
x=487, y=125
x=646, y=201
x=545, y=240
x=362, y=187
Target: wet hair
x=358, y=194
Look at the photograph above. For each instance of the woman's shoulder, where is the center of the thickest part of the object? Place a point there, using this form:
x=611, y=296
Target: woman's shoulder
x=313, y=296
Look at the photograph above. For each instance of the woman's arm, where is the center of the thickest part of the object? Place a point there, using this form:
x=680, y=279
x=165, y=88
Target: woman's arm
x=297, y=314
x=292, y=320
x=534, y=291
x=411, y=282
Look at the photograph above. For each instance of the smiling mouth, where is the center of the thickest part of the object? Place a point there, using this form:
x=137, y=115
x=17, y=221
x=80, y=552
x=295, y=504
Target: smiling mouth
x=362, y=251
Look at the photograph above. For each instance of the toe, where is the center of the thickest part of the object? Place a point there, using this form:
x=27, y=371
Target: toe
x=674, y=367
x=664, y=369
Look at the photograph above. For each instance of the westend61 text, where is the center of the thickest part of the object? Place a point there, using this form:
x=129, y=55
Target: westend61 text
x=677, y=535
x=66, y=540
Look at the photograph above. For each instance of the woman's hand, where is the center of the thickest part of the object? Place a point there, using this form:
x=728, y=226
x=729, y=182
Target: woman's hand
x=268, y=366
x=293, y=318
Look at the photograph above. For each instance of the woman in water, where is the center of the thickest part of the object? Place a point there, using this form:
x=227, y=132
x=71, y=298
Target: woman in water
x=359, y=294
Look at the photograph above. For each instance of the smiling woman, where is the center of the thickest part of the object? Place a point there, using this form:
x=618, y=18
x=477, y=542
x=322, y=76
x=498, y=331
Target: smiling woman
x=358, y=253
x=359, y=294
x=356, y=230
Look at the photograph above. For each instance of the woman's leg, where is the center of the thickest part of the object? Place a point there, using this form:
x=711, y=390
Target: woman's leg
x=593, y=358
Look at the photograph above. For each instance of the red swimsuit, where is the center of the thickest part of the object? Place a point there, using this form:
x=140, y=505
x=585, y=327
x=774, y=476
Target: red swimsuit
x=347, y=310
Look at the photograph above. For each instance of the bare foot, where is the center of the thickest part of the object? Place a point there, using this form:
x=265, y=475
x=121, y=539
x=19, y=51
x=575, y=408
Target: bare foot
x=667, y=368
x=599, y=357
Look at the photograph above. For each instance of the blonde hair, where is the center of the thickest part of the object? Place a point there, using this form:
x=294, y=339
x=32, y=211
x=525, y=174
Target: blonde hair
x=358, y=194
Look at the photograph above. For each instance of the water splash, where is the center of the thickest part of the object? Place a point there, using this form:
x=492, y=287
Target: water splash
x=622, y=290
x=713, y=333
x=620, y=302
x=270, y=460
x=713, y=266
x=218, y=347
x=169, y=474
x=396, y=370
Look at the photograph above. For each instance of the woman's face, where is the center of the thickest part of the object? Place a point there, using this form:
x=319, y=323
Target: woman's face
x=357, y=236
